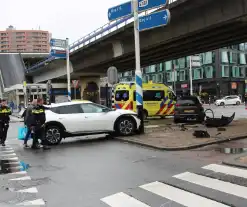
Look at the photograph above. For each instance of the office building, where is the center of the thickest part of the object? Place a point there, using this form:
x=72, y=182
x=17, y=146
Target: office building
x=24, y=41
x=222, y=72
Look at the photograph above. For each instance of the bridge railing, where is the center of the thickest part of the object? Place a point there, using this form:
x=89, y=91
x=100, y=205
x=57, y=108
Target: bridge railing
x=105, y=30
x=97, y=34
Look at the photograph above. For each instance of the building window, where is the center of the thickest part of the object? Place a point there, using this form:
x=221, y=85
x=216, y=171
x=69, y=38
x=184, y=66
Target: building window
x=181, y=63
x=182, y=75
x=235, y=72
x=235, y=47
x=154, y=78
x=150, y=69
x=242, y=59
x=233, y=57
x=208, y=71
x=224, y=57
x=242, y=72
x=207, y=58
x=198, y=73
x=242, y=46
x=170, y=76
x=160, y=78
x=161, y=67
x=168, y=65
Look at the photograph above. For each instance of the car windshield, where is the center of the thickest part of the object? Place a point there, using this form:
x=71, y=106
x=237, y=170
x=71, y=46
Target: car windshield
x=188, y=101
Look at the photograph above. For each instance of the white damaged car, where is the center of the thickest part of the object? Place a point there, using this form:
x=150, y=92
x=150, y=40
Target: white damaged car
x=80, y=118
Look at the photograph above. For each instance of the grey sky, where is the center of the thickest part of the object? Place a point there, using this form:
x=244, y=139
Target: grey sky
x=63, y=18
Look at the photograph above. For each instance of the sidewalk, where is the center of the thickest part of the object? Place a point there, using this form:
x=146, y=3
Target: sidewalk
x=237, y=161
x=170, y=137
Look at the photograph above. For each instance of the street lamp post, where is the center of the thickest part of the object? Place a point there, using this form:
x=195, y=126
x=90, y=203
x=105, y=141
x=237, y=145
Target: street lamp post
x=191, y=83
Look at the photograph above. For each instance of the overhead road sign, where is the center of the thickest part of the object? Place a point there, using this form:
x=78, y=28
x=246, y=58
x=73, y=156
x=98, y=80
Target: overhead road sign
x=58, y=53
x=58, y=43
x=144, y=5
x=157, y=19
x=119, y=11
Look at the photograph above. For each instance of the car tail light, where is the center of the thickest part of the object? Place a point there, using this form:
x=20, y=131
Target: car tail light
x=177, y=105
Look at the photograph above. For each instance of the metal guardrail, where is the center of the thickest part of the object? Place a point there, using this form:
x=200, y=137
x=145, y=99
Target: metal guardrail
x=97, y=34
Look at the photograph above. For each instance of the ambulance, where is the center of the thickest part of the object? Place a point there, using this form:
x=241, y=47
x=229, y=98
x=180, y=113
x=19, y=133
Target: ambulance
x=158, y=98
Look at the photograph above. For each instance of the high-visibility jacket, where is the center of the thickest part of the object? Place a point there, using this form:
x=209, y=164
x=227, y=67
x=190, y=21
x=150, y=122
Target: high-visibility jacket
x=5, y=111
x=38, y=115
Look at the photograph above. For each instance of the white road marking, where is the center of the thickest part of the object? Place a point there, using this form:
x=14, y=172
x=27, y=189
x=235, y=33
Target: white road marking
x=6, y=155
x=37, y=202
x=7, y=151
x=227, y=170
x=21, y=178
x=12, y=158
x=28, y=190
x=215, y=184
x=18, y=173
x=180, y=196
x=123, y=200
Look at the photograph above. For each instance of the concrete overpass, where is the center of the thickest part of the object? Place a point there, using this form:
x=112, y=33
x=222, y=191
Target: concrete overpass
x=196, y=26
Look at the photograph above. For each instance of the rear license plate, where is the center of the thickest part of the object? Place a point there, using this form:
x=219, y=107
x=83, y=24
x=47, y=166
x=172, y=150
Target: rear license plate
x=189, y=111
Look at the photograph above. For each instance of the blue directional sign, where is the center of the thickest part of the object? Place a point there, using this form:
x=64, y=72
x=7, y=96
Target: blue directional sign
x=58, y=53
x=119, y=11
x=153, y=20
x=58, y=43
x=150, y=4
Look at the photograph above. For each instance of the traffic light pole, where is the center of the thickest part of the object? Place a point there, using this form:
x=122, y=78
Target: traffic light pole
x=68, y=69
x=138, y=72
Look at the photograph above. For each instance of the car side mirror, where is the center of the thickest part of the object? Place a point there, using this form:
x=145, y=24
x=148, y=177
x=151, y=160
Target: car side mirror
x=105, y=110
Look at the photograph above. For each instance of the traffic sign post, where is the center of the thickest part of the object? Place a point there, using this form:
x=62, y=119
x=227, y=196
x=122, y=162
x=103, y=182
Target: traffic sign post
x=62, y=54
x=75, y=84
x=157, y=19
x=138, y=72
x=68, y=69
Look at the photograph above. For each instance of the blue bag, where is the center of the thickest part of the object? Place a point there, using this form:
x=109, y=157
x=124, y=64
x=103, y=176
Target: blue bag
x=22, y=131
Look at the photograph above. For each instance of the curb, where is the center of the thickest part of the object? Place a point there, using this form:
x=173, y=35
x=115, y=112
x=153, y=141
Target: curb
x=182, y=147
x=234, y=163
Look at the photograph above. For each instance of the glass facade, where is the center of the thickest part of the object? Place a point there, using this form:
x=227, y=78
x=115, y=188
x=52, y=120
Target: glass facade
x=224, y=64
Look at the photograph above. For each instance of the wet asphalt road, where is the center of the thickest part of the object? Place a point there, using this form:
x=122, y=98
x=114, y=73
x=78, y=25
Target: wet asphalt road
x=79, y=173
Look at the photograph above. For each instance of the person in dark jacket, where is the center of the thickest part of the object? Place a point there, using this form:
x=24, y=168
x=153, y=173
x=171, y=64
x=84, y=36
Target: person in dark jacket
x=38, y=124
x=27, y=121
x=5, y=111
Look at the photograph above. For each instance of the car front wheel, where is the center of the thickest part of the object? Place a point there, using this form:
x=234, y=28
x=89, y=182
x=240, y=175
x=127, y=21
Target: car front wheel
x=125, y=126
x=238, y=103
x=53, y=135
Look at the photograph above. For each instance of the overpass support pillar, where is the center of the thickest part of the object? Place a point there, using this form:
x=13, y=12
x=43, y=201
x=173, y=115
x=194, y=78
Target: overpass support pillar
x=90, y=88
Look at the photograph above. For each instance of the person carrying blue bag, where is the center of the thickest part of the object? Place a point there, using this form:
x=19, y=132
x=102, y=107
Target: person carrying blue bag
x=5, y=111
x=28, y=121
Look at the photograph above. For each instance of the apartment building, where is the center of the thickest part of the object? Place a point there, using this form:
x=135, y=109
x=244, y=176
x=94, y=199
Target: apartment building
x=13, y=40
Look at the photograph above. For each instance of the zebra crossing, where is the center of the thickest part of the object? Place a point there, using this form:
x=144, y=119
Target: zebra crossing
x=17, y=188
x=214, y=185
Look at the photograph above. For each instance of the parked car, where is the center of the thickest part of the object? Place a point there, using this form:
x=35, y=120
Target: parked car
x=80, y=118
x=228, y=100
x=189, y=108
